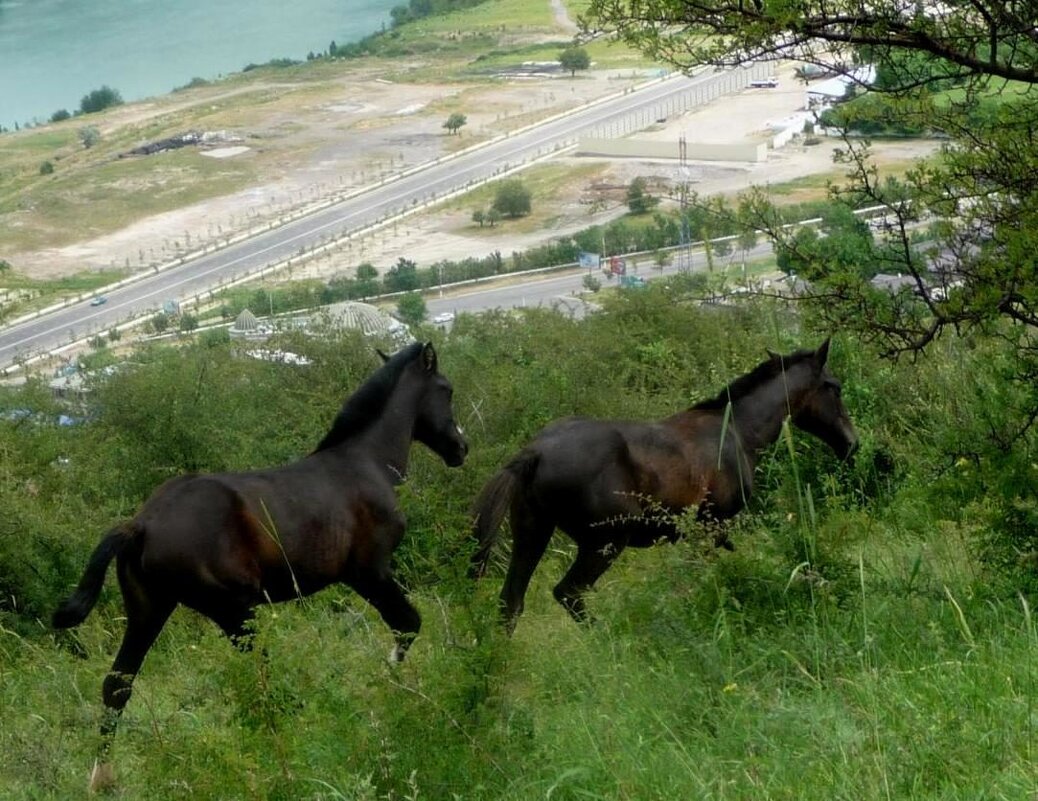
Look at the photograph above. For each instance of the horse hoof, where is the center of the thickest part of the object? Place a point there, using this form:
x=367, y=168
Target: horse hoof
x=102, y=777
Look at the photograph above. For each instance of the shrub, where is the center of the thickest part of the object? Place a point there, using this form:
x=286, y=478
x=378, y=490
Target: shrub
x=99, y=100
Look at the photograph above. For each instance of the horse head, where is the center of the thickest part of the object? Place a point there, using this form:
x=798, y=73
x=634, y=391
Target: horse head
x=434, y=424
x=821, y=411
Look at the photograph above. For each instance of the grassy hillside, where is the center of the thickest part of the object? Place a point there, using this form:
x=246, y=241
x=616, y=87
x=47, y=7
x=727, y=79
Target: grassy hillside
x=871, y=637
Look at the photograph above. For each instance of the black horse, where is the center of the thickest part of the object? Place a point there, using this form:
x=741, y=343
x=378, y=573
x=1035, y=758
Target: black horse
x=223, y=543
x=610, y=484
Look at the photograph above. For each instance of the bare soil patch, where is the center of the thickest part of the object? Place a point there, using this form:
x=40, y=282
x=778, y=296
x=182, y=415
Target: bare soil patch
x=311, y=141
x=306, y=143
x=447, y=233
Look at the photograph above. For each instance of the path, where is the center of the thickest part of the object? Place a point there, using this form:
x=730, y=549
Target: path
x=562, y=17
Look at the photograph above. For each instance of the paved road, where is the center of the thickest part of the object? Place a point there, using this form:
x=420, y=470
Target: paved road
x=566, y=290
x=351, y=215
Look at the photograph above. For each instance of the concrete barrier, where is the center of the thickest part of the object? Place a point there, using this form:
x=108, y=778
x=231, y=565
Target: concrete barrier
x=655, y=149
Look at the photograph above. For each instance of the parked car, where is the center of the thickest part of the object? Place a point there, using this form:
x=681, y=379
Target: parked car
x=632, y=282
x=443, y=317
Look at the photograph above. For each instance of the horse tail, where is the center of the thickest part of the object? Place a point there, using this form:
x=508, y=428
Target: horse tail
x=77, y=606
x=493, y=503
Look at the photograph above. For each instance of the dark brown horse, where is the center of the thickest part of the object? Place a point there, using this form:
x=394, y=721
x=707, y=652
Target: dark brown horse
x=223, y=543
x=610, y=484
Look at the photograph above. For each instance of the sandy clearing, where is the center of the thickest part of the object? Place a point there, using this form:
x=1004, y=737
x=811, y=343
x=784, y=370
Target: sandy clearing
x=440, y=234
x=371, y=126
x=342, y=140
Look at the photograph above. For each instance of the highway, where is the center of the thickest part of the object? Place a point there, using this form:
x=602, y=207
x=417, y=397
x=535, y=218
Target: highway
x=377, y=204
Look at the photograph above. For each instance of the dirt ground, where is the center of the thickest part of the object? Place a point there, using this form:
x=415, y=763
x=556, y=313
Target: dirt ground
x=368, y=125
x=746, y=116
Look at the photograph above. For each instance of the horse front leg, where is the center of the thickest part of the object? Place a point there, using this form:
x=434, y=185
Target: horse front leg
x=387, y=597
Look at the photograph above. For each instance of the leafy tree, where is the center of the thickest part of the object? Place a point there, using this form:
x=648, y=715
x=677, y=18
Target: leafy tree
x=842, y=243
x=365, y=285
x=411, y=308
x=47, y=168
x=160, y=323
x=639, y=201
x=99, y=100
x=978, y=274
x=747, y=241
x=573, y=59
x=60, y=115
x=89, y=136
x=512, y=199
x=493, y=216
x=188, y=322
x=455, y=122
x=479, y=216
x=402, y=276
x=366, y=272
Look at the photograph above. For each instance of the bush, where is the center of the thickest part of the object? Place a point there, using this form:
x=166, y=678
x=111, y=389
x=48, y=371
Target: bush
x=89, y=136
x=512, y=198
x=99, y=100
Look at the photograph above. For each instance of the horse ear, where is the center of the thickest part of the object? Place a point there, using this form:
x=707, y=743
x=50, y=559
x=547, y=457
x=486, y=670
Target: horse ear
x=822, y=354
x=382, y=355
x=429, y=357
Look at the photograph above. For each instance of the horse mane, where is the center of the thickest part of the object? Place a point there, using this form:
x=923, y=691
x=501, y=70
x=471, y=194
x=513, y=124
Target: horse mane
x=364, y=406
x=746, y=384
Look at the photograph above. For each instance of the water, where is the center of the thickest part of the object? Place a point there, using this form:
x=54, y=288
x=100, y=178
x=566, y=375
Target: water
x=53, y=52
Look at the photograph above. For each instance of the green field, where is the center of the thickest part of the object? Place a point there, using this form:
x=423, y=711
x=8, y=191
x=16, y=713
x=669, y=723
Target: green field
x=871, y=637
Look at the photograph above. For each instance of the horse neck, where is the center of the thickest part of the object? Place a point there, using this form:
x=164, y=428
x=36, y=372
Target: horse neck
x=758, y=416
x=387, y=439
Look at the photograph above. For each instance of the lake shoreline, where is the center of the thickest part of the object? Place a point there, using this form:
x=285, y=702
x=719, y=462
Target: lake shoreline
x=58, y=54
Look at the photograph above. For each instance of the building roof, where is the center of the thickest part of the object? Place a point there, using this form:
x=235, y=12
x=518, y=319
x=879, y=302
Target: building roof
x=364, y=317
x=246, y=321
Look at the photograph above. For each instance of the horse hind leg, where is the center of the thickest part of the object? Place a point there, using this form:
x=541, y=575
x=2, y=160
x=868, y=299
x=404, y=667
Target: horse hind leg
x=145, y=617
x=531, y=534
x=591, y=562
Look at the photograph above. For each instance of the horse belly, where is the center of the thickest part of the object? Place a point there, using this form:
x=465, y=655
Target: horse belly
x=308, y=562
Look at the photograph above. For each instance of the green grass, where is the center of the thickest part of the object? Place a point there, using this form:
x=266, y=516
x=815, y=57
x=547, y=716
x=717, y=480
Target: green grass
x=882, y=698
x=853, y=646
x=497, y=17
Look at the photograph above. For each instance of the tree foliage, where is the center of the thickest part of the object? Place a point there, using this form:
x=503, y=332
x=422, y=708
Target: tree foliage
x=402, y=276
x=455, y=122
x=573, y=59
x=512, y=198
x=411, y=308
x=99, y=100
x=966, y=70
x=639, y=201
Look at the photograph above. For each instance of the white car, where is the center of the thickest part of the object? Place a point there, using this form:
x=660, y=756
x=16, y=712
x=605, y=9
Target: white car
x=443, y=317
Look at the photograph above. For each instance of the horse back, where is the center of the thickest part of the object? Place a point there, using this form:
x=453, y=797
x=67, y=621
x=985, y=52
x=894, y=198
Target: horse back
x=614, y=466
